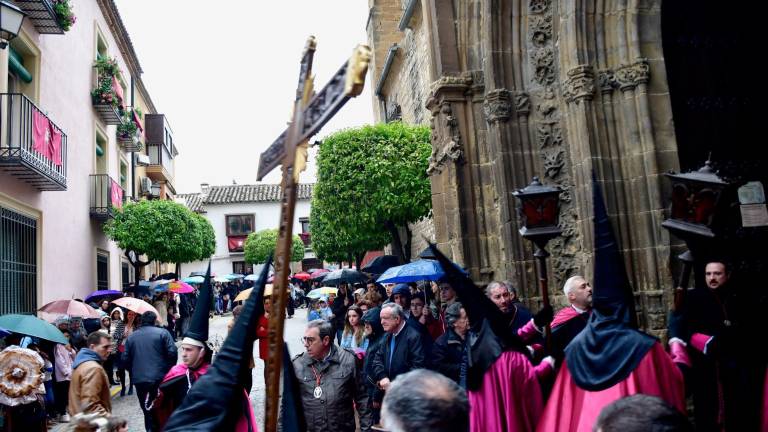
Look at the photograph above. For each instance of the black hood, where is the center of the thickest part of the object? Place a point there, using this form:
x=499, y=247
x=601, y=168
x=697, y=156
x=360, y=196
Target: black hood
x=373, y=317
x=609, y=348
x=216, y=401
x=198, y=326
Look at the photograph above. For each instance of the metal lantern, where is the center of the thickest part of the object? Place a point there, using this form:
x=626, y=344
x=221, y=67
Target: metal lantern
x=10, y=22
x=539, y=211
x=696, y=199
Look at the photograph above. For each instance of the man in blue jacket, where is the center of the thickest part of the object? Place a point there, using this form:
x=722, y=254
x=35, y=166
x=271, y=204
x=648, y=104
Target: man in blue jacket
x=150, y=352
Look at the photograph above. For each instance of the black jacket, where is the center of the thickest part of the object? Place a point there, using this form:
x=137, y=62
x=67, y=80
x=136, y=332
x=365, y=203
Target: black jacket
x=408, y=354
x=150, y=353
x=448, y=354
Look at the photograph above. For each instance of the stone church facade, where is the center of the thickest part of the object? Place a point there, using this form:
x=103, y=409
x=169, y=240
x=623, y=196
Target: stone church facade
x=558, y=89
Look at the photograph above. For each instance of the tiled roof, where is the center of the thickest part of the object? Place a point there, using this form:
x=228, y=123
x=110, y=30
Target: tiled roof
x=193, y=201
x=233, y=194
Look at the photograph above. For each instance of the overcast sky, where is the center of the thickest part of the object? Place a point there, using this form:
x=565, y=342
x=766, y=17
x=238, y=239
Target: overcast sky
x=225, y=74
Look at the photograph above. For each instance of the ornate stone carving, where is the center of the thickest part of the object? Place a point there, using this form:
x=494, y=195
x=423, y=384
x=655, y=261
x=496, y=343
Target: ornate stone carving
x=448, y=82
x=446, y=139
x=497, y=106
x=548, y=134
x=606, y=80
x=629, y=76
x=394, y=112
x=540, y=28
x=554, y=162
x=580, y=84
x=538, y=6
x=544, y=65
x=522, y=103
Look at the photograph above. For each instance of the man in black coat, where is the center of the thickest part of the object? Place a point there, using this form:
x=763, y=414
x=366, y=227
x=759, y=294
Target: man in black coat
x=402, y=350
x=339, y=308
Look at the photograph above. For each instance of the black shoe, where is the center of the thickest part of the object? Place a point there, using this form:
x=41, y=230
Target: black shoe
x=130, y=391
x=122, y=391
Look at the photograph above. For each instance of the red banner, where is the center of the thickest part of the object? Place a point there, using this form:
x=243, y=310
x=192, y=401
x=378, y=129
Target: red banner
x=236, y=243
x=116, y=195
x=46, y=139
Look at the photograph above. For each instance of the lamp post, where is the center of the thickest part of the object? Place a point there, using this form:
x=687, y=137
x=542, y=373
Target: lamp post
x=695, y=217
x=11, y=18
x=539, y=212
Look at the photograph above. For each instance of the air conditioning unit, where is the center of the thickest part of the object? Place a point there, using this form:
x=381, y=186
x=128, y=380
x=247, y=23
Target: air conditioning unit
x=146, y=186
x=142, y=159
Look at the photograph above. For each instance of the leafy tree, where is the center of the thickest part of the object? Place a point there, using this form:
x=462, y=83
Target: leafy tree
x=161, y=230
x=261, y=244
x=371, y=180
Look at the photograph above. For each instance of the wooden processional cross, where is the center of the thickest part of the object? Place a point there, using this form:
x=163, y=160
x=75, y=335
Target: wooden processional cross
x=310, y=112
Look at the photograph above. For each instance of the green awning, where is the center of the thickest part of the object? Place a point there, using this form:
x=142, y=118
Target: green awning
x=16, y=65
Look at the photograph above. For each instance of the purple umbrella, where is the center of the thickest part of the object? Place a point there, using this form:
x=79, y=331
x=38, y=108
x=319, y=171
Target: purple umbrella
x=103, y=295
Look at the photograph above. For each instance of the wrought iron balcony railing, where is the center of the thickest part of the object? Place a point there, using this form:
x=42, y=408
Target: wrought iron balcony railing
x=32, y=147
x=106, y=196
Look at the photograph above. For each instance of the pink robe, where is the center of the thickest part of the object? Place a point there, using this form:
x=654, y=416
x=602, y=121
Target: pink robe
x=509, y=398
x=571, y=408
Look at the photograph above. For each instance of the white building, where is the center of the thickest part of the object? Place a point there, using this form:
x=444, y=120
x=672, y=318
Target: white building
x=235, y=211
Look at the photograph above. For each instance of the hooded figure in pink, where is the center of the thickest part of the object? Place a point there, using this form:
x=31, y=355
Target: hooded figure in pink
x=610, y=358
x=502, y=384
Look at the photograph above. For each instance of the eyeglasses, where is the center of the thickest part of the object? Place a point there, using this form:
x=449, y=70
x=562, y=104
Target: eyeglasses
x=307, y=340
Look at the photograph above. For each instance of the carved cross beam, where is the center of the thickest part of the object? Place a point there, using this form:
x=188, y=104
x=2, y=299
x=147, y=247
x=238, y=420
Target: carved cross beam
x=310, y=113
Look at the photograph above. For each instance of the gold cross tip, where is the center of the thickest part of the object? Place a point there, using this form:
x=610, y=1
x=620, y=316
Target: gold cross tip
x=356, y=70
x=311, y=44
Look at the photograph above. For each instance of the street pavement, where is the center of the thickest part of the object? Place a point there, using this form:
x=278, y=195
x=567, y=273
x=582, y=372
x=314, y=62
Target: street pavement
x=127, y=407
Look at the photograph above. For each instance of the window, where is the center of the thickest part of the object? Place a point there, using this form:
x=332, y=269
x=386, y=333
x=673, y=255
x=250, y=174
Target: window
x=239, y=225
x=127, y=274
x=102, y=270
x=304, y=224
x=241, y=267
x=124, y=175
x=101, y=153
x=18, y=263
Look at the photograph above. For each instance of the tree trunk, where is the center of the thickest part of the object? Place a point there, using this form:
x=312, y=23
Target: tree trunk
x=359, y=260
x=408, y=241
x=178, y=271
x=397, y=245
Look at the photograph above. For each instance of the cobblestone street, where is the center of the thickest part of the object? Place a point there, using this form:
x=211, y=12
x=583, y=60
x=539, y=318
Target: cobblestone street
x=128, y=406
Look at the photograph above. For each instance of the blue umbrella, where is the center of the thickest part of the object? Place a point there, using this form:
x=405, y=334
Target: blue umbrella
x=4, y=332
x=194, y=279
x=31, y=325
x=106, y=294
x=233, y=276
x=416, y=271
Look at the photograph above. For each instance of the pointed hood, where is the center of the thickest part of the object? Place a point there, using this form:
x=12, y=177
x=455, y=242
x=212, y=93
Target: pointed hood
x=217, y=401
x=197, y=334
x=292, y=411
x=609, y=348
x=491, y=331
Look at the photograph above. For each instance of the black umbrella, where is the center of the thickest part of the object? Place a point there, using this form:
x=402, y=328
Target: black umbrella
x=349, y=276
x=380, y=264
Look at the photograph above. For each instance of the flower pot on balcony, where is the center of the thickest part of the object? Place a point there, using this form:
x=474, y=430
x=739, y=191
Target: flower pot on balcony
x=130, y=143
x=107, y=110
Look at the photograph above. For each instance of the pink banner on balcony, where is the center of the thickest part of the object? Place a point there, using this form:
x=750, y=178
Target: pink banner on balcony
x=116, y=194
x=236, y=243
x=118, y=89
x=46, y=138
x=137, y=121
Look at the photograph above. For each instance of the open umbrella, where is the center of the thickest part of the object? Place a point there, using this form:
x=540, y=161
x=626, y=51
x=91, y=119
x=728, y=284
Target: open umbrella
x=72, y=308
x=312, y=270
x=415, y=271
x=380, y=264
x=31, y=325
x=220, y=279
x=4, y=332
x=322, y=292
x=427, y=254
x=233, y=276
x=302, y=276
x=194, y=279
x=345, y=275
x=243, y=296
x=318, y=274
x=137, y=305
x=21, y=376
x=180, y=287
x=103, y=295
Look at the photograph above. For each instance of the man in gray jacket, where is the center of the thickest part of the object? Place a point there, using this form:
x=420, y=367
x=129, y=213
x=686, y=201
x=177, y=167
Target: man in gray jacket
x=330, y=382
x=150, y=352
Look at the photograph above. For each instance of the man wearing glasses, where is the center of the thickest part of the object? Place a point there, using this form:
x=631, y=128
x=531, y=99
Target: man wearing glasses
x=330, y=383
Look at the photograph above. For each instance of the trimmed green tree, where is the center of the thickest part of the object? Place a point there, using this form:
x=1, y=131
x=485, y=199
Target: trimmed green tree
x=162, y=231
x=261, y=244
x=372, y=180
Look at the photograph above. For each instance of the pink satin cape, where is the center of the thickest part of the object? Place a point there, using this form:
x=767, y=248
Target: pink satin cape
x=509, y=399
x=571, y=408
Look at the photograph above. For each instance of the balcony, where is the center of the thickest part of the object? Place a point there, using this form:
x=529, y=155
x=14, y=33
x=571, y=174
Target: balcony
x=160, y=168
x=36, y=155
x=106, y=196
x=42, y=15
